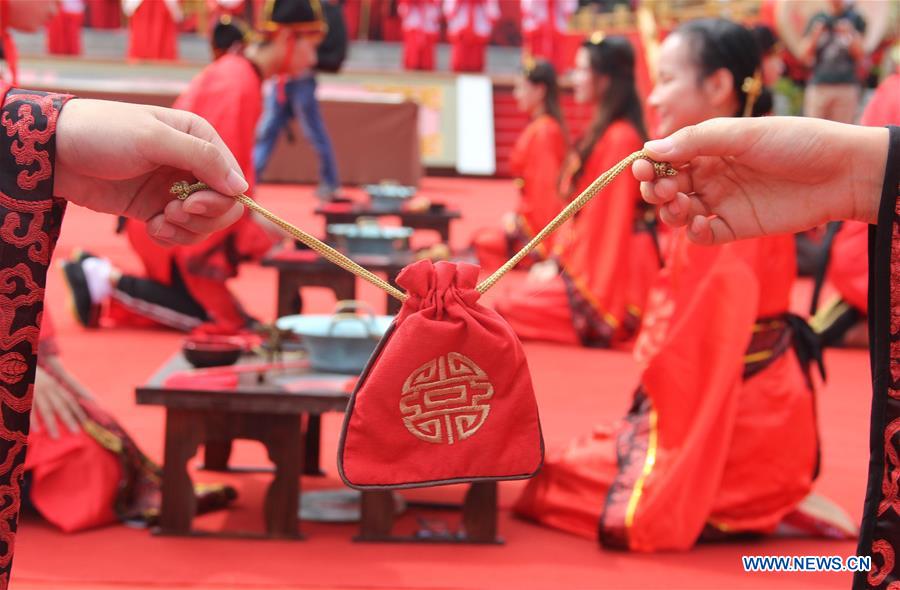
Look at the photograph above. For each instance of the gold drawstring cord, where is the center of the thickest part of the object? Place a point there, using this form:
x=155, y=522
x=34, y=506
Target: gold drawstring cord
x=661, y=169
x=184, y=189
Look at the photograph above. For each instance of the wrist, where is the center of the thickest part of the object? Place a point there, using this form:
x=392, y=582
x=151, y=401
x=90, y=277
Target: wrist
x=866, y=170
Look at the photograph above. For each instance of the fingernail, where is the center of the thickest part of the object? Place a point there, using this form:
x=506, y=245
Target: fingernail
x=236, y=183
x=674, y=208
x=165, y=232
x=195, y=208
x=660, y=146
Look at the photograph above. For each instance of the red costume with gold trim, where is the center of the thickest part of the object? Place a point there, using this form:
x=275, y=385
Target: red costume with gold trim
x=722, y=430
x=607, y=256
x=536, y=160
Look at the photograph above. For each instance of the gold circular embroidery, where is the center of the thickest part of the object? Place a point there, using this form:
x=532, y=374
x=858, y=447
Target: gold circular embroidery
x=446, y=400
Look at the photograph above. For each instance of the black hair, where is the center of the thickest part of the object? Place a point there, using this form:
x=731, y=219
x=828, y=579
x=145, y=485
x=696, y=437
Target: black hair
x=765, y=38
x=543, y=73
x=613, y=57
x=228, y=32
x=719, y=43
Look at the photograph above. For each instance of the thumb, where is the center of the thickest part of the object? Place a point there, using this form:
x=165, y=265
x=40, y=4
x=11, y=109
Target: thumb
x=716, y=137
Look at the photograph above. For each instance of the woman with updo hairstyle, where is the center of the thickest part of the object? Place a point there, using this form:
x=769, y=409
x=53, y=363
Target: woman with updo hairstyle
x=592, y=290
x=536, y=161
x=720, y=438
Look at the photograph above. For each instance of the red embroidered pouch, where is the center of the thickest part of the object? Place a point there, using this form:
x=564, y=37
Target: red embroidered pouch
x=447, y=396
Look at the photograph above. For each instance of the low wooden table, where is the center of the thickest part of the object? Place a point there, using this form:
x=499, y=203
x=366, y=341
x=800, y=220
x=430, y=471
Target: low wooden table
x=305, y=268
x=269, y=410
x=438, y=221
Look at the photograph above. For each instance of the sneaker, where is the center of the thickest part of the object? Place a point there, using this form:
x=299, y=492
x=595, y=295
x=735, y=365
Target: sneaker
x=88, y=280
x=327, y=193
x=86, y=311
x=79, y=255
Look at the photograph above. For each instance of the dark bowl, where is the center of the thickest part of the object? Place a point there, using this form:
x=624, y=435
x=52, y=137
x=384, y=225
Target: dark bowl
x=211, y=353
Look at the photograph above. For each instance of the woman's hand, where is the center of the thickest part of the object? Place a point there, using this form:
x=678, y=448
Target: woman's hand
x=743, y=178
x=54, y=406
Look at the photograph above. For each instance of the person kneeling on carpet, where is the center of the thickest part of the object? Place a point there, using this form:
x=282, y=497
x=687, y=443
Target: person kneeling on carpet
x=83, y=470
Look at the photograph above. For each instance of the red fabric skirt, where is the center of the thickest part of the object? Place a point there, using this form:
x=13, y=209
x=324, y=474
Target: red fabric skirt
x=770, y=455
x=541, y=311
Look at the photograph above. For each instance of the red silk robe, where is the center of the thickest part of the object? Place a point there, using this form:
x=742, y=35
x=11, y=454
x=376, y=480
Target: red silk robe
x=607, y=257
x=104, y=14
x=469, y=26
x=544, y=26
x=30, y=219
x=848, y=270
x=722, y=430
x=152, y=31
x=92, y=478
x=421, y=24
x=226, y=93
x=536, y=161
x=64, y=29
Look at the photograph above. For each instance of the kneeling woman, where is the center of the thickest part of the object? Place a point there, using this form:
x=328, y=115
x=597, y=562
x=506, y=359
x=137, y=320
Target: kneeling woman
x=536, y=161
x=607, y=257
x=721, y=436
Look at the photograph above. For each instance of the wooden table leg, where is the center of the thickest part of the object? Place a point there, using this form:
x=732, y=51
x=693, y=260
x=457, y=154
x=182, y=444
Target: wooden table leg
x=289, y=301
x=184, y=431
x=377, y=516
x=344, y=287
x=216, y=454
x=284, y=441
x=480, y=512
x=312, y=445
x=393, y=305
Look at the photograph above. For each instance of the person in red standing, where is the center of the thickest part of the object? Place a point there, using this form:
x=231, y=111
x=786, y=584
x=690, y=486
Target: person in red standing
x=421, y=24
x=721, y=436
x=606, y=254
x=152, y=28
x=536, y=161
x=64, y=29
x=544, y=24
x=186, y=287
x=469, y=26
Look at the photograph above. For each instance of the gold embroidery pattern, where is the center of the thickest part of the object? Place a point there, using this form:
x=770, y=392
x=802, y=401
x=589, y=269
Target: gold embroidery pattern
x=446, y=400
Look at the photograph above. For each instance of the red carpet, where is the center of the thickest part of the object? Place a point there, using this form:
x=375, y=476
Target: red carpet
x=576, y=389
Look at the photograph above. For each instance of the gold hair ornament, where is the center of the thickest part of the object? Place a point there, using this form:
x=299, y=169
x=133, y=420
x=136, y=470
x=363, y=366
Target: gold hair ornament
x=752, y=87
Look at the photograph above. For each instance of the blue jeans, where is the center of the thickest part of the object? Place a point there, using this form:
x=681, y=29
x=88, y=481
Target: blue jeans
x=301, y=101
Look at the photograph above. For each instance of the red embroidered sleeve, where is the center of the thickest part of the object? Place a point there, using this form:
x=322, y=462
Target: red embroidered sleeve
x=30, y=219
